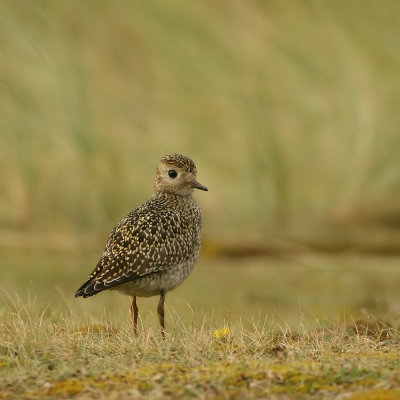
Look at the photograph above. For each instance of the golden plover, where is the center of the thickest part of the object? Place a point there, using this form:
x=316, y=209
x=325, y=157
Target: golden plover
x=153, y=249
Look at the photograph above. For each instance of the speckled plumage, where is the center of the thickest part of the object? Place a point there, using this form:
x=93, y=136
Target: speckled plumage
x=153, y=249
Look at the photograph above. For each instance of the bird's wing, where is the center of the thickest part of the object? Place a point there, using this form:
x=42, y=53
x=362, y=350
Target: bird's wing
x=143, y=243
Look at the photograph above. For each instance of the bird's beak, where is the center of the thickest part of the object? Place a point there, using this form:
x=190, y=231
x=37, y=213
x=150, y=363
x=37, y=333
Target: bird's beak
x=197, y=185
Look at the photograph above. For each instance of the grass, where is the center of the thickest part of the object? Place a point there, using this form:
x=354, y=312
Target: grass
x=309, y=328
x=292, y=105
x=51, y=356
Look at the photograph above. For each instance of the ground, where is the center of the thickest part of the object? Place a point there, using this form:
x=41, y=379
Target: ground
x=310, y=328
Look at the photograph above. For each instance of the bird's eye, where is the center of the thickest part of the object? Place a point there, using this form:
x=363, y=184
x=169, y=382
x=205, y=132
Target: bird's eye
x=172, y=173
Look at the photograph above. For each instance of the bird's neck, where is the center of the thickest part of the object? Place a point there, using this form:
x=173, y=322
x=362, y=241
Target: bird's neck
x=184, y=192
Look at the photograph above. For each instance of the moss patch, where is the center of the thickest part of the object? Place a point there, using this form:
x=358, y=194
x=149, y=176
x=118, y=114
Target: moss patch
x=377, y=394
x=255, y=378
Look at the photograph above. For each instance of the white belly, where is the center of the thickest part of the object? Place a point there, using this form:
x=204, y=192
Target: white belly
x=154, y=284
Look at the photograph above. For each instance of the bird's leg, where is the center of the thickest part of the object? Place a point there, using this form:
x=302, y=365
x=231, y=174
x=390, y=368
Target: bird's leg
x=134, y=314
x=160, y=312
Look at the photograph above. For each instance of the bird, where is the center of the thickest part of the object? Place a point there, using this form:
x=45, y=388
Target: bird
x=154, y=248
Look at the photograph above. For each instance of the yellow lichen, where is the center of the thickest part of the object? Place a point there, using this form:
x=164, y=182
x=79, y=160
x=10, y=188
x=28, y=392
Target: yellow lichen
x=68, y=387
x=377, y=394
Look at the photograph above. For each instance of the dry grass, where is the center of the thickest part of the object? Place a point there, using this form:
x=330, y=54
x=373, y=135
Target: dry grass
x=311, y=328
x=289, y=109
x=50, y=355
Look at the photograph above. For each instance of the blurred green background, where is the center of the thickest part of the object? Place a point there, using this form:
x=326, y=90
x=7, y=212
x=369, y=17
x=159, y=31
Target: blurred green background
x=289, y=108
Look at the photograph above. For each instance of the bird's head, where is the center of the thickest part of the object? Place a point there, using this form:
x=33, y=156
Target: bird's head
x=176, y=174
